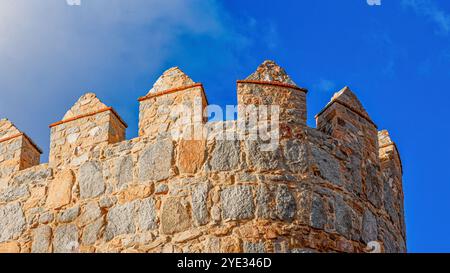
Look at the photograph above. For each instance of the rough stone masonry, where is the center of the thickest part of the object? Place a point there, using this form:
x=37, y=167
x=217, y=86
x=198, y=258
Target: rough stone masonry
x=333, y=188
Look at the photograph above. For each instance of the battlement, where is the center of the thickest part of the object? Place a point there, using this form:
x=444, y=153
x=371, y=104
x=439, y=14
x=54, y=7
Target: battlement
x=17, y=150
x=333, y=188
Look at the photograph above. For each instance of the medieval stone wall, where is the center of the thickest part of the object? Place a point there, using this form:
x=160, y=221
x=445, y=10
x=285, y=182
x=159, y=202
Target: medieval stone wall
x=331, y=189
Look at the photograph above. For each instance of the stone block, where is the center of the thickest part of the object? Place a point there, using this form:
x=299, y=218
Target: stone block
x=199, y=198
x=327, y=165
x=90, y=180
x=66, y=239
x=286, y=206
x=155, y=161
x=146, y=214
x=175, y=215
x=237, y=203
x=60, y=190
x=191, y=155
x=12, y=222
x=120, y=220
x=42, y=238
x=10, y=247
x=92, y=232
x=225, y=156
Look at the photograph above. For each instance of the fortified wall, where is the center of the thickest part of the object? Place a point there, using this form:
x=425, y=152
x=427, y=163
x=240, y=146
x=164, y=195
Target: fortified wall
x=333, y=188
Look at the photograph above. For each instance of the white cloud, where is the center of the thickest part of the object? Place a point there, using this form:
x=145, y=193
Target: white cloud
x=51, y=52
x=432, y=12
x=325, y=85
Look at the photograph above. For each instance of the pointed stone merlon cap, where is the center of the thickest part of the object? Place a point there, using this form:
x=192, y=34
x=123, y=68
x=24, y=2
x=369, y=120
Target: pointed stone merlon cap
x=174, y=93
x=346, y=98
x=87, y=123
x=388, y=148
x=171, y=81
x=270, y=85
x=17, y=150
x=270, y=73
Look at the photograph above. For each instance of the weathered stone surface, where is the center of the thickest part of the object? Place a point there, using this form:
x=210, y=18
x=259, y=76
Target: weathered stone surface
x=35, y=175
x=60, y=190
x=90, y=180
x=346, y=96
x=237, y=203
x=327, y=165
x=318, y=213
x=303, y=250
x=171, y=78
x=354, y=181
x=107, y=201
x=373, y=185
x=344, y=218
x=69, y=214
x=281, y=246
x=12, y=221
x=389, y=243
x=10, y=247
x=389, y=204
x=225, y=156
x=211, y=245
x=370, y=227
x=92, y=232
x=42, y=237
x=90, y=213
x=250, y=247
x=120, y=220
x=32, y=216
x=230, y=244
x=146, y=214
x=125, y=172
x=199, y=199
x=269, y=71
x=87, y=103
x=66, y=239
x=296, y=155
x=191, y=155
x=155, y=161
x=46, y=218
x=161, y=188
x=261, y=159
x=186, y=236
x=14, y=193
x=175, y=216
x=263, y=202
x=285, y=203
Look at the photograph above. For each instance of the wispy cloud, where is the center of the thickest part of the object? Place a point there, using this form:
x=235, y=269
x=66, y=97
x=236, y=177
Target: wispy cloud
x=388, y=51
x=433, y=12
x=51, y=53
x=325, y=85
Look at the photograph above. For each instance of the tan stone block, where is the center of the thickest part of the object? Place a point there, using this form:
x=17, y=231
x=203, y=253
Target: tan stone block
x=248, y=231
x=87, y=249
x=60, y=189
x=135, y=192
x=186, y=236
x=191, y=155
x=222, y=230
x=230, y=245
x=37, y=195
x=175, y=216
x=10, y=247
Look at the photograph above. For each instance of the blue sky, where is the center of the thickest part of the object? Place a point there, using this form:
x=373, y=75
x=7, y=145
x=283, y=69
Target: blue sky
x=396, y=57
